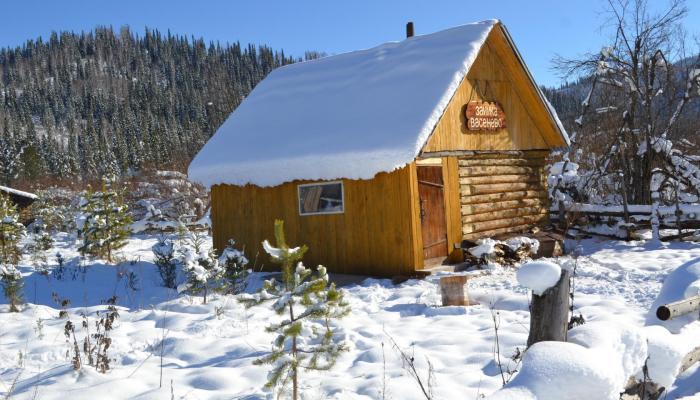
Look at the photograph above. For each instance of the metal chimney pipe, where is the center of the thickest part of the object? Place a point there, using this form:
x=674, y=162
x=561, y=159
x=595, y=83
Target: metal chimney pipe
x=409, y=29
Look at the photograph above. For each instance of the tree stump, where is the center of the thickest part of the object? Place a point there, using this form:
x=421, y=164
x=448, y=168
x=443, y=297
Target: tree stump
x=549, y=313
x=453, y=290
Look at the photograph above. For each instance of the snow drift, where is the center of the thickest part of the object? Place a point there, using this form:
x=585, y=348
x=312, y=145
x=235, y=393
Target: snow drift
x=681, y=283
x=595, y=364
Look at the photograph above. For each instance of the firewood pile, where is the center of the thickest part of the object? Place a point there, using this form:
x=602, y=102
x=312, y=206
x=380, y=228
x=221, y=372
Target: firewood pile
x=508, y=252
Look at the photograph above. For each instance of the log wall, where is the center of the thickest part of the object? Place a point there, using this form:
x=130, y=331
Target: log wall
x=502, y=192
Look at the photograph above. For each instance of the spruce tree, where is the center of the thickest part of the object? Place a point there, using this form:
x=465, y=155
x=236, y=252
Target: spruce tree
x=309, y=306
x=165, y=260
x=199, y=263
x=12, y=285
x=11, y=232
x=107, y=221
x=234, y=263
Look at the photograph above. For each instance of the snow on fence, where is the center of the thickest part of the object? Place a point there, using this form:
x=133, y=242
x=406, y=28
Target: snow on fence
x=681, y=217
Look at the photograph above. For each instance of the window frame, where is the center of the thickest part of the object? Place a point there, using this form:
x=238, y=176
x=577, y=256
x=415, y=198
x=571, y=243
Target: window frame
x=342, y=198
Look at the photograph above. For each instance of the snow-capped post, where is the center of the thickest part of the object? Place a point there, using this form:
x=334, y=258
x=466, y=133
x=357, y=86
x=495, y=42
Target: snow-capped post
x=549, y=308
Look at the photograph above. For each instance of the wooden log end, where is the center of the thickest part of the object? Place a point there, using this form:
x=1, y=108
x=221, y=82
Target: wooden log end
x=663, y=313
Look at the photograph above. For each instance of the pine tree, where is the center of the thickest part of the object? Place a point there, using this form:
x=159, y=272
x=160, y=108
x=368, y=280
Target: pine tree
x=106, y=226
x=11, y=232
x=165, y=260
x=305, y=336
x=200, y=264
x=12, y=285
x=234, y=264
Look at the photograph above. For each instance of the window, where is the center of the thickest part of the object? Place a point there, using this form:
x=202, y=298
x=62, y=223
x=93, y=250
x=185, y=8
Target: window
x=321, y=198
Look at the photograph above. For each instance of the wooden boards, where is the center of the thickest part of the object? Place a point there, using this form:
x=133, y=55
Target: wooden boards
x=432, y=210
x=378, y=234
x=496, y=76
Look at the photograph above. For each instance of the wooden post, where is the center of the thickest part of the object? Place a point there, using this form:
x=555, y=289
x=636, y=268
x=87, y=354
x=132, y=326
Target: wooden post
x=453, y=290
x=678, y=308
x=549, y=313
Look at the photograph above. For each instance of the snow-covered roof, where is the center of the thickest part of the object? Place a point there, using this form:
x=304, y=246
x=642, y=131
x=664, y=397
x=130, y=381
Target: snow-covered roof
x=350, y=116
x=16, y=192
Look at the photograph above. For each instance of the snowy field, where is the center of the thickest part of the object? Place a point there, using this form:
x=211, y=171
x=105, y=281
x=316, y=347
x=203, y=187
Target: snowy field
x=207, y=350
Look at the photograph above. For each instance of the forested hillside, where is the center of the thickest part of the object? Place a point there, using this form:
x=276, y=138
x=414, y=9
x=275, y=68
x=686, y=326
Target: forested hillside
x=102, y=102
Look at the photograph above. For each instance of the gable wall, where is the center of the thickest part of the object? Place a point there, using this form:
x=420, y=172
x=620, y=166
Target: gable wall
x=496, y=75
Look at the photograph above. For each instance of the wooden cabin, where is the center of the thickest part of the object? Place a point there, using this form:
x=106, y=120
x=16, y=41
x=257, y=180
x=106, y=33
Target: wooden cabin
x=20, y=198
x=381, y=160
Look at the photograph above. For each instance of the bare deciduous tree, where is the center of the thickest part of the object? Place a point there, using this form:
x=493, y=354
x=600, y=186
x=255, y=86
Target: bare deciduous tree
x=640, y=88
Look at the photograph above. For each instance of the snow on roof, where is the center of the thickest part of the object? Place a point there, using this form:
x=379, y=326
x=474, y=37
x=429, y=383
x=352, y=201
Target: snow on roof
x=350, y=116
x=18, y=192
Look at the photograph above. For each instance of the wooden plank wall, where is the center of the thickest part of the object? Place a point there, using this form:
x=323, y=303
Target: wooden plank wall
x=502, y=192
x=496, y=75
x=378, y=234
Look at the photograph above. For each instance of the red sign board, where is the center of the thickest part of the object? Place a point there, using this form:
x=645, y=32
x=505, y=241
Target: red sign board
x=485, y=116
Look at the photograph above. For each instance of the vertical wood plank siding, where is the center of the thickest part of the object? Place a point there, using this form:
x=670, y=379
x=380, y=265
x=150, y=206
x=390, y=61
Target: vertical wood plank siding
x=377, y=234
x=496, y=76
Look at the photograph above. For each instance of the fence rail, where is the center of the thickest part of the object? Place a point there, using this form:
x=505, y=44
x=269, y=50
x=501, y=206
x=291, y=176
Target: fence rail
x=580, y=215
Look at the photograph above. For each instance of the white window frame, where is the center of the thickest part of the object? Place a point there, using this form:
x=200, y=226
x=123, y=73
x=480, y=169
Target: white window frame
x=342, y=198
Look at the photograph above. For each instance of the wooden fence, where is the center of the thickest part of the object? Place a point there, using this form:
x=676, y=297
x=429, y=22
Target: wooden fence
x=682, y=218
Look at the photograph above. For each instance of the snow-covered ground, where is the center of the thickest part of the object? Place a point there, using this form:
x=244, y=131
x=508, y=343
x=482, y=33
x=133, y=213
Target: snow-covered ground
x=208, y=350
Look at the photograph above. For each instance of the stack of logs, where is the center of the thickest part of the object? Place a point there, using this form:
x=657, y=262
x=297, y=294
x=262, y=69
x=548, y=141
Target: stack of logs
x=502, y=192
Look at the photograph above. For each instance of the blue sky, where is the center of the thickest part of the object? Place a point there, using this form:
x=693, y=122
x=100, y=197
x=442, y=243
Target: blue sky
x=541, y=28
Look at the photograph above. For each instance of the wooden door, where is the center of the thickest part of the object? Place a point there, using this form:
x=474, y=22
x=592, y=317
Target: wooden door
x=432, y=211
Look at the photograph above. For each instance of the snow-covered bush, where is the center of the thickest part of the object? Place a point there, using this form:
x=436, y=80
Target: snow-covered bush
x=305, y=339
x=202, y=269
x=11, y=232
x=12, y=285
x=563, y=182
x=106, y=222
x=234, y=263
x=165, y=260
x=39, y=242
x=160, y=199
x=199, y=263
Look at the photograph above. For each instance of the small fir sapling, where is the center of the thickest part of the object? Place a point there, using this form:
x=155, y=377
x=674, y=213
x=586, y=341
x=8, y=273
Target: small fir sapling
x=11, y=232
x=202, y=269
x=53, y=208
x=306, y=339
x=47, y=219
x=60, y=268
x=39, y=242
x=12, y=285
x=165, y=260
x=234, y=264
x=201, y=265
x=106, y=227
